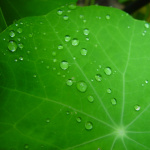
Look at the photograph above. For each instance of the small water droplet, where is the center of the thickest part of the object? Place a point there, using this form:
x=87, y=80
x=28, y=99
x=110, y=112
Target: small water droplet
x=86, y=31
x=12, y=33
x=30, y=35
x=83, y=52
x=12, y=46
x=146, y=81
x=19, y=39
x=60, y=46
x=19, y=30
x=87, y=38
x=109, y=91
x=100, y=66
x=88, y=125
x=90, y=98
x=75, y=42
x=84, y=20
x=59, y=12
x=54, y=53
x=67, y=38
x=81, y=16
x=54, y=60
x=34, y=75
x=47, y=120
x=107, y=71
x=26, y=146
x=147, y=25
x=64, y=65
x=82, y=86
x=16, y=60
x=113, y=101
x=137, y=107
x=72, y=6
x=54, y=68
x=107, y=16
x=65, y=17
x=78, y=119
x=74, y=58
x=67, y=112
x=69, y=82
x=28, y=52
x=16, y=24
x=21, y=58
x=98, y=77
x=20, y=45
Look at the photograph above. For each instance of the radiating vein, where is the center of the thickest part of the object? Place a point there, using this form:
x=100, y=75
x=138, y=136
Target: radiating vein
x=137, y=143
x=59, y=103
x=95, y=92
x=93, y=140
x=124, y=78
x=114, y=141
x=124, y=144
x=137, y=117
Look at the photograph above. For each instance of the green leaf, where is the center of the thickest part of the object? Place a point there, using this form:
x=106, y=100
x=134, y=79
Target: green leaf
x=14, y=9
x=3, y=24
x=75, y=80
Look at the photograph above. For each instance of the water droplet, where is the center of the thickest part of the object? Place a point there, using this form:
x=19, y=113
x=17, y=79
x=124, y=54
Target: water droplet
x=107, y=16
x=54, y=68
x=107, y=71
x=87, y=39
x=26, y=146
x=30, y=35
x=21, y=58
x=48, y=120
x=19, y=30
x=54, y=53
x=59, y=12
x=113, y=101
x=69, y=82
x=34, y=75
x=16, y=60
x=147, y=25
x=75, y=42
x=88, y=125
x=83, y=51
x=100, y=66
x=79, y=119
x=82, y=86
x=67, y=38
x=90, y=98
x=146, y=81
x=12, y=46
x=84, y=20
x=86, y=31
x=64, y=65
x=19, y=39
x=137, y=107
x=54, y=60
x=98, y=77
x=81, y=16
x=65, y=17
x=109, y=91
x=20, y=45
x=72, y=6
x=12, y=33
x=60, y=47
x=28, y=52
x=67, y=112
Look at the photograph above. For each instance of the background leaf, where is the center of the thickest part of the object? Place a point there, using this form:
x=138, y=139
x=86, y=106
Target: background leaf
x=75, y=80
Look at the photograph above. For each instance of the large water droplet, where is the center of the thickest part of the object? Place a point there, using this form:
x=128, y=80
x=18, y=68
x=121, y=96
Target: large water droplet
x=12, y=46
x=107, y=71
x=83, y=51
x=79, y=119
x=86, y=31
x=20, y=45
x=90, y=98
x=147, y=25
x=72, y=6
x=137, y=107
x=64, y=65
x=19, y=30
x=113, y=101
x=107, y=16
x=60, y=47
x=12, y=33
x=75, y=42
x=67, y=38
x=69, y=82
x=65, y=17
x=98, y=77
x=59, y=12
x=109, y=91
x=82, y=86
x=88, y=125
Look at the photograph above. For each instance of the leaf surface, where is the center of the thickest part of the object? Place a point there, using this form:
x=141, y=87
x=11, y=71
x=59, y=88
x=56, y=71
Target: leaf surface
x=75, y=80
